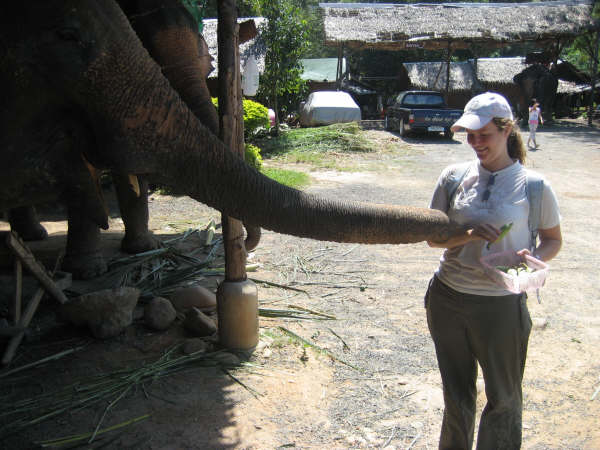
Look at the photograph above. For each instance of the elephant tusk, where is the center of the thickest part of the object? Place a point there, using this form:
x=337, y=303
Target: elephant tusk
x=135, y=185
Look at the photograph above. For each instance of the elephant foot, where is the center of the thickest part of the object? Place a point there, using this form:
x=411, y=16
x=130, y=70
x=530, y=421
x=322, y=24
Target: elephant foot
x=86, y=266
x=30, y=232
x=139, y=243
x=24, y=221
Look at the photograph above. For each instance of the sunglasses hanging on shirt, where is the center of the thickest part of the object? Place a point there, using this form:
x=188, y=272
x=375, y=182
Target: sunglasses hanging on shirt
x=486, y=193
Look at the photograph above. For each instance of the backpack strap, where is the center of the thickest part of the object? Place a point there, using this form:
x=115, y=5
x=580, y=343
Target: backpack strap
x=534, y=190
x=454, y=179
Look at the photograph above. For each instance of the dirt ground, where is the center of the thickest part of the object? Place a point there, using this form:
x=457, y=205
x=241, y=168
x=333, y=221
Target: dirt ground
x=381, y=389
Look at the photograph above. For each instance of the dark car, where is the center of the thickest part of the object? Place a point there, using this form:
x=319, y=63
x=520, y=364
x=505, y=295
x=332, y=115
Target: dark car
x=420, y=111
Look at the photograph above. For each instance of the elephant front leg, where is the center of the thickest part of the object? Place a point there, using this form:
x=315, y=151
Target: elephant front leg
x=25, y=222
x=133, y=203
x=83, y=256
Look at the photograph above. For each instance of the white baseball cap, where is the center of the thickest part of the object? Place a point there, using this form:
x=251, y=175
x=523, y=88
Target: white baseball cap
x=481, y=109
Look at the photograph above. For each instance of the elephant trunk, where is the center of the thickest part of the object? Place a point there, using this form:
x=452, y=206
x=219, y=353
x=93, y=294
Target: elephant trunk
x=147, y=128
x=222, y=180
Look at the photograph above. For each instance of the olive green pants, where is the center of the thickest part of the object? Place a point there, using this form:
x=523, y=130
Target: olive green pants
x=494, y=331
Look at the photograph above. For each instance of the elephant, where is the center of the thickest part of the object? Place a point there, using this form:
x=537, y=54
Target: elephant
x=536, y=81
x=169, y=34
x=82, y=94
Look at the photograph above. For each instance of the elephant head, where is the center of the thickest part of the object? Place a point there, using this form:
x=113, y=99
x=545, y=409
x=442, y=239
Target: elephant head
x=86, y=53
x=536, y=81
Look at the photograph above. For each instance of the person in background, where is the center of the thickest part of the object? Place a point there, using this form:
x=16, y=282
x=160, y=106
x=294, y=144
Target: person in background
x=535, y=119
x=471, y=319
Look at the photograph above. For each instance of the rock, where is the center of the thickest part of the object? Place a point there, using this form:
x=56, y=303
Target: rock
x=195, y=345
x=106, y=313
x=539, y=323
x=159, y=314
x=198, y=323
x=226, y=359
x=195, y=296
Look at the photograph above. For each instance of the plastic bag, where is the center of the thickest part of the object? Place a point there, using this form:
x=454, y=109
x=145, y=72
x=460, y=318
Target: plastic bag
x=516, y=284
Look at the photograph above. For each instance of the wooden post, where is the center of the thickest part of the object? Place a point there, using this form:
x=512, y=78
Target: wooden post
x=340, y=67
x=449, y=53
x=237, y=297
x=594, y=70
x=231, y=127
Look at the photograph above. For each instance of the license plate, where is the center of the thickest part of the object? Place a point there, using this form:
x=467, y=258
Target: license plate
x=435, y=128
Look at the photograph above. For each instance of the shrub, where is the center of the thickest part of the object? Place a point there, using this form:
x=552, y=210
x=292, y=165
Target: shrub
x=252, y=156
x=256, y=116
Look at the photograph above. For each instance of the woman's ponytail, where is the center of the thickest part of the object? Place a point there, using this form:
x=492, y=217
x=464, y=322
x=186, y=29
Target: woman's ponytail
x=516, y=149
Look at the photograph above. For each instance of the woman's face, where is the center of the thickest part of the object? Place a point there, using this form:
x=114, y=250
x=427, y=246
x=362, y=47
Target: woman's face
x=489, y=143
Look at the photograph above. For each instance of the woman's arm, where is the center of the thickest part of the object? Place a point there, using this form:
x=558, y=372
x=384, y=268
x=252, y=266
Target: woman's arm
x=484, y=232
x=550, y=244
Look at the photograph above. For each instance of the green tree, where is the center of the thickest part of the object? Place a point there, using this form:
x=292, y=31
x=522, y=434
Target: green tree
x=285, y=37
x=584, y=54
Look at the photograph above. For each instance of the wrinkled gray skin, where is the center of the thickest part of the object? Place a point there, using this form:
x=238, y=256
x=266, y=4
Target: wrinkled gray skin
x=82, y=93
x=536, y=81
x=169, y=34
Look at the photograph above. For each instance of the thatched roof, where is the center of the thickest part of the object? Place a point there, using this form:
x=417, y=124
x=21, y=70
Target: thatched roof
x=500, y=70
x=252, y=47
x=490, y=71
x=432, y=75
x=399, y=26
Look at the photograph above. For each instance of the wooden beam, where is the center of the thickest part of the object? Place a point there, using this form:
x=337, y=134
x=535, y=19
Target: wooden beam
x=231, y=127
x=37, y=270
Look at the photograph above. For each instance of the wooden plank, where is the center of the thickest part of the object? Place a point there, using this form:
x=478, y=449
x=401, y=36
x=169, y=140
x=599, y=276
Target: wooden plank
x=36, y=269
x=18, y=290
x=64, y=282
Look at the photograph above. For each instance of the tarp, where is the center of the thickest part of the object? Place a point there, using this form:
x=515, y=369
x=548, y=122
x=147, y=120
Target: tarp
x=321, y=69
x=327, y=107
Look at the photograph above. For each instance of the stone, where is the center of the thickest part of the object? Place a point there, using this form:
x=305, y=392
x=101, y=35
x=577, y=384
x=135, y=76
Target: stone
x=198, y=323
x=195, y=345
x=159, y=314
x=539, y=323
x=106, y=313
x=226, y=359
x=194, y=296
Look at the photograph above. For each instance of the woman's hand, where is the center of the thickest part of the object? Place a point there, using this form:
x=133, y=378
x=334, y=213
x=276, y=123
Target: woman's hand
x=485, y=232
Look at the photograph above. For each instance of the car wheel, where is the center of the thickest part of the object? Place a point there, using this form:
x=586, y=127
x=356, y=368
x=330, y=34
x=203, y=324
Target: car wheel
x=448, y=133
x=402, y=129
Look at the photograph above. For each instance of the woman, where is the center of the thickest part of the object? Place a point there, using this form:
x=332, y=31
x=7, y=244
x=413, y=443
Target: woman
x=535, y=117
x=472, y=320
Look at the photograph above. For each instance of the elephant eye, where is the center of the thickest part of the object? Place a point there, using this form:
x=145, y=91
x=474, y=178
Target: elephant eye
x=68, y=34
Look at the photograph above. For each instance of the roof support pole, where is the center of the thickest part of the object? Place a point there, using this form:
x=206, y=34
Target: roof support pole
x=340, y=66
x=448, y=55
x=596, y=50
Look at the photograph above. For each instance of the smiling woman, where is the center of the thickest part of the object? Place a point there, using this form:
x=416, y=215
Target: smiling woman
x=471, y=319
